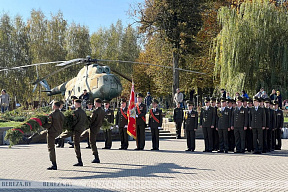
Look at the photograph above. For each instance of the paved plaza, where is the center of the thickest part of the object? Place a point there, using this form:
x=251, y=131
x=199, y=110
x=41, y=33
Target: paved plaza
x=170, y=169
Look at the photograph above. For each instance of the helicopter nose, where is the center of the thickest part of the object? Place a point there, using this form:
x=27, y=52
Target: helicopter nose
x=111, y=86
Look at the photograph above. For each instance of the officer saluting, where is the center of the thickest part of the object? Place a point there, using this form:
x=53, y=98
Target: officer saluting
x=207, y=123
x=97, y=118
x=257, y=124
x=109, y=116
x=155, y=123
x=140, y=122
x=79, y=122
x=54, y=127
x=240, y=123
x=190, y=126
x=122, y=122
x=224, y=124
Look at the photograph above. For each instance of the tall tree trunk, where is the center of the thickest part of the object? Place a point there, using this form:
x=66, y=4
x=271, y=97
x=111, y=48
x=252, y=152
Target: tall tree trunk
x=175, y=72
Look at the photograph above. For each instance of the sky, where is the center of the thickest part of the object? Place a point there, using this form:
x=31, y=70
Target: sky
x=92, y=13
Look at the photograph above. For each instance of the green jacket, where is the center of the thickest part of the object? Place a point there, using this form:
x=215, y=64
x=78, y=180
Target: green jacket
x=79, y=120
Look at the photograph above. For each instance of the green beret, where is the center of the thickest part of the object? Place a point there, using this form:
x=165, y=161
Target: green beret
x=206, y=99
x=57, y=103
x=140, y=95
x=98, y=100
x=189, y=102
x=78, y=101
x=155, y=101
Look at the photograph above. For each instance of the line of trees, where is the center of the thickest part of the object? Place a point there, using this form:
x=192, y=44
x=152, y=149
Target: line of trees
x=238, y=44
x=40, y=39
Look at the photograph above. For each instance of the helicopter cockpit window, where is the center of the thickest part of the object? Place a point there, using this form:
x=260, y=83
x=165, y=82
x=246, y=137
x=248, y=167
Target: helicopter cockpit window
x=99, y=69
x=106, y=69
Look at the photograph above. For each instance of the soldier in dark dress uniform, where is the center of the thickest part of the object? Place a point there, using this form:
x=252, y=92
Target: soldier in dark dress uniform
x=109, y=116
x=122, y=124
x=215, y=132
x=240, y=124
x=268, y=120
x=279, y=125
x=178, y=119
x=249, y=134
x=224, y=125
x=97, y=118
x=231, y=137
x=190, y=125
x=54, y=127
x=271, y=125
x=155, y=123
x=257, y=124
x=207, y=120
x=140, y=122
x=79, y=124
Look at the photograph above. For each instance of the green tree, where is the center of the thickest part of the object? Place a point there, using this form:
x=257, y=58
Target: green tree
x=251, y=49
x=177, y=22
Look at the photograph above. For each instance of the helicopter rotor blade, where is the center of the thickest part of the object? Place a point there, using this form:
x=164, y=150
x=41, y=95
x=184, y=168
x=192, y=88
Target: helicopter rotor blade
x=78, y=60
x=26, y=66
x=142, y=63
x=54, y=72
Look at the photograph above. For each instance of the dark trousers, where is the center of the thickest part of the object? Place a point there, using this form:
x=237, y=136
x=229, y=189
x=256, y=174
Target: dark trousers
x=108, y=138
x=76, y=139
x=215, y=140
x=140, y=136
x=178, y=128
x=278, y=138
x=239, y=134
x=155, y=137
x=257, y=139
x=223, y=139
x=265, y=140
x=269, y=140
x=231, y=140
x=51, y=146
x=190, y=135
x=123, y=137
x=249, y=140
x=208, y=138
x=273, y=139
x=92, y=138
x=85, y=135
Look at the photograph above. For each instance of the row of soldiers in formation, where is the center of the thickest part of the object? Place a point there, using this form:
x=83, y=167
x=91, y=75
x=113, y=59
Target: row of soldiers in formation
x=252, y=125
x=53, y=130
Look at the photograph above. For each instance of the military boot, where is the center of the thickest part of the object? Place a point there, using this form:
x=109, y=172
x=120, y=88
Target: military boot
x=61, y=143
x=71, y=143
x=80, y=163
x=53, y=167
x=96, y=160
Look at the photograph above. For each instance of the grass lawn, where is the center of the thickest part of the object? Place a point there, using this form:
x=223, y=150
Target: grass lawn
x=9, y=124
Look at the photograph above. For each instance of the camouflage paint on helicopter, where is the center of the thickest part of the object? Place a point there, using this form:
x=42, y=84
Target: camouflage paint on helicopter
x=98, y=81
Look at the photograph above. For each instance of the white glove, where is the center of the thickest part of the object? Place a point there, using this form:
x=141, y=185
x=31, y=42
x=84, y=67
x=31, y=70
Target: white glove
x=136, y=116
x=111, y=128
x=125, y=126
x=159, y=127
x=149, y=128
x=117, y=126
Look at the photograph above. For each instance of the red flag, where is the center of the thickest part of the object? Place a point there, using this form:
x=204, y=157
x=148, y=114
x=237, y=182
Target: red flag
x=131, y=130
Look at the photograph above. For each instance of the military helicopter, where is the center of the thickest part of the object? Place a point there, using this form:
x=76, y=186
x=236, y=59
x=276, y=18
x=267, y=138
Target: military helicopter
x=95, y=77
